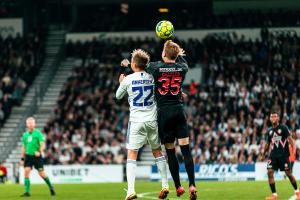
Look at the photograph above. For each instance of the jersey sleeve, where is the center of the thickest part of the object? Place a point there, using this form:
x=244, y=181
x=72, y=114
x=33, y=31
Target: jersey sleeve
x=126, y=70
x=41, y=137
x=122, y=89
x=152, y=67
x=180, y=59
x=286, y=131
x=268, y=137
x=183, y=63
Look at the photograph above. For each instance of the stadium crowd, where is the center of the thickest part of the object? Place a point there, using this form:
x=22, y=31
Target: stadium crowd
x=227, y=113
x=20, y=59
x=94, y=19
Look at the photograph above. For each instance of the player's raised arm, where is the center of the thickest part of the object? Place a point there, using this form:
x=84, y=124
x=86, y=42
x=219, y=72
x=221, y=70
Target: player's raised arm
x=180, y=58
x=122, y=88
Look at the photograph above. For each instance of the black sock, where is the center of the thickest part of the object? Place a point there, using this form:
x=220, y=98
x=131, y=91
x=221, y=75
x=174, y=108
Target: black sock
x=295, y=185
x=173, y=166
x=273, y=189
x=293, y=182
x=189, y=163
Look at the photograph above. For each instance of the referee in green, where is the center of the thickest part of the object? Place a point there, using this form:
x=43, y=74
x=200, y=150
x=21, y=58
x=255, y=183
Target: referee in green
x=32, y=149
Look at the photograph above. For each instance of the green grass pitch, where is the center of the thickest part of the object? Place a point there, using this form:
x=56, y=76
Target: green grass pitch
x=149, y=190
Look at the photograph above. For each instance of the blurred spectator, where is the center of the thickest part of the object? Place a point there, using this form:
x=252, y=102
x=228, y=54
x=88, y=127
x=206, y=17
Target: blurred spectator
x=3, y=173
x=193, y=88
x=19, y=61
x=193, y=17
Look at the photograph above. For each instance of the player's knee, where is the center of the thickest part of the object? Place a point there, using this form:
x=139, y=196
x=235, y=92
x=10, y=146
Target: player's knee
x=42, y=174
x=270, y=174
x=157, y=152
x=132, y=154
x=27, y=171
x=288, y=173
x=170, y=146
x=183, y=141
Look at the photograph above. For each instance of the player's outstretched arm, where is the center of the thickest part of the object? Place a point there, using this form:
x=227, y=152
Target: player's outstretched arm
x=125, y=63
x=180, y=58
x=125, y=69
x=122, y=88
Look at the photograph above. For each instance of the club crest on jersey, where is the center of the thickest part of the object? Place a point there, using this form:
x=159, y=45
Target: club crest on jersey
x=270, y=133
x=279, y=131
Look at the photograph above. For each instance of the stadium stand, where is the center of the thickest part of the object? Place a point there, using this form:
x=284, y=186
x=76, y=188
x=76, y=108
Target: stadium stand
x=227, y=114
x=93, y=19
x=88, y=126
x=20, y=59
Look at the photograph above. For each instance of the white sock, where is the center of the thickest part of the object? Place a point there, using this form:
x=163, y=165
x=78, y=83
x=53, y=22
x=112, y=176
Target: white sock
x=130, y=173
x=297, y=190
x=162, y=168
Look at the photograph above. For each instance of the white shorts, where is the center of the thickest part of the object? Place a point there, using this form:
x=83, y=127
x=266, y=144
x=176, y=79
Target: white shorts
x=140, y=133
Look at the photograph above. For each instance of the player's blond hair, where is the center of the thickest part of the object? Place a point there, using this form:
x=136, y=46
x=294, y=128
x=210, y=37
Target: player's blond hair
x=30, y=119
x=171, y=49
x=141, y=58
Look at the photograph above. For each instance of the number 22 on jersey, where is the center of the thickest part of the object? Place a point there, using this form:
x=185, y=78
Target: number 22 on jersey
x=143, y=97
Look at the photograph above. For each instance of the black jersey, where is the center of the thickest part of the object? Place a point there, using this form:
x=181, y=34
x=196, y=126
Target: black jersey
x=168, y=79
x=278, y=139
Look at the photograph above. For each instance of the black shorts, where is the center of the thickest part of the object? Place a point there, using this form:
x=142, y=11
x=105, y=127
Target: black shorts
x=172, y=123
x=281, y=163
x=37, y=162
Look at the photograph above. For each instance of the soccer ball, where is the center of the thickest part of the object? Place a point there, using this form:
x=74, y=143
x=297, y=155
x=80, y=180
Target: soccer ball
x=164, y=29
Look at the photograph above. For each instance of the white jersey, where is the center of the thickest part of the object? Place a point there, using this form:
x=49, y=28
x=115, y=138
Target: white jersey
x=140, y=89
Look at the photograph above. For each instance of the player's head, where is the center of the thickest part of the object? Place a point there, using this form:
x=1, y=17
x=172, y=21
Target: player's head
x=274, y=116
x=139, y=60
x=30, y=123
x=170, y=51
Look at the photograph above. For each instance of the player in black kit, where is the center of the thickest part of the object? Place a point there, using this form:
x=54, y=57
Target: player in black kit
x=169, y=76
x=278, y=140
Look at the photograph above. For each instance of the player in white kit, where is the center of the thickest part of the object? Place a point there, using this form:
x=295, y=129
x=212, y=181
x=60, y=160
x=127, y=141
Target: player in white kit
x=142, y=127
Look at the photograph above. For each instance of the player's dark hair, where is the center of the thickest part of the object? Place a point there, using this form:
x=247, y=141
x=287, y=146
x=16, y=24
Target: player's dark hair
x=274, y=111
x=141, y=58
x=171, y=49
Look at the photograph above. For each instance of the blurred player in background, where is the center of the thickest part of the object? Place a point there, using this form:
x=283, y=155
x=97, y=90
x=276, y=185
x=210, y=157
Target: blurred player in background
x=142, y=125
x=292, y=151
x=172, y=124
x=3, y=173
x=279, y=139
x=32, y=150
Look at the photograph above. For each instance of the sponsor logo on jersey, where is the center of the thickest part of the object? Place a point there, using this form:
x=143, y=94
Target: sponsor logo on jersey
x=170, y=70
x=279, y=131
x=277, y=140
x=139, y=82
x=29, y=139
